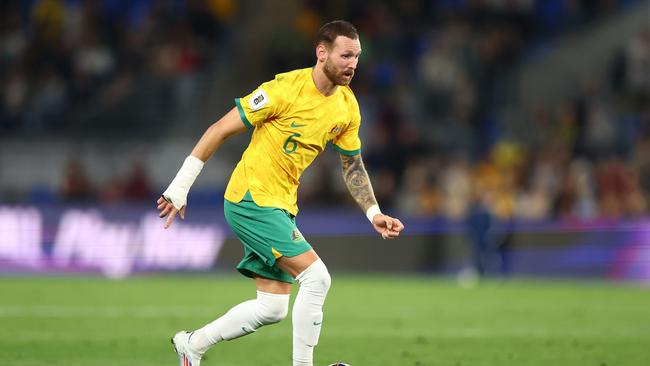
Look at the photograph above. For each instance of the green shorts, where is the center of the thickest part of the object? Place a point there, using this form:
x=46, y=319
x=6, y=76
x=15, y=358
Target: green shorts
x=267, y=234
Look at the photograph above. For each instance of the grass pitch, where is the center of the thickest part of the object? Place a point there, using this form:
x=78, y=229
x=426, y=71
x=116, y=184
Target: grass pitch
x=369, y=321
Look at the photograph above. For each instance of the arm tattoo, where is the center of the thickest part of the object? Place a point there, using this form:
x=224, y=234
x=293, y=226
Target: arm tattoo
x=357, y=180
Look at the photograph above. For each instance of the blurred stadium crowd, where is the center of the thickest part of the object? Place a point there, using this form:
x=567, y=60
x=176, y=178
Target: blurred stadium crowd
x=70, y=63
x=435, y=84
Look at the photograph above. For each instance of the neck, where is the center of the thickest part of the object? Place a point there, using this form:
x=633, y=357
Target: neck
x=322, y=82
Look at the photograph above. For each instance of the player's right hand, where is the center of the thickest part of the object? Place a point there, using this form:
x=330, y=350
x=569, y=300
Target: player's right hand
x=166, y=208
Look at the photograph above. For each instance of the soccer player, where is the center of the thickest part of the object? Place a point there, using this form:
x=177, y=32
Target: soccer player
x=293, y=117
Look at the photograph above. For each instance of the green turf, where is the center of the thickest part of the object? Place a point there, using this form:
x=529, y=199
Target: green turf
x=368, y=321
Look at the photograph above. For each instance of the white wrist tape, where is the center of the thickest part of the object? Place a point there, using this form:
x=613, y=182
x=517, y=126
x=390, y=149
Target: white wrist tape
x=178, y=189
x=372, y=211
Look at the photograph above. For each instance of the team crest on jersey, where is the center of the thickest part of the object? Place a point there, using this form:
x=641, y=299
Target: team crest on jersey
x=336, y=129
x=296, y=235
x=258, y=100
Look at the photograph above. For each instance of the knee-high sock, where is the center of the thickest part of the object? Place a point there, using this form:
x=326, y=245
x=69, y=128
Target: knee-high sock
x=307, y=313
x=241, y=320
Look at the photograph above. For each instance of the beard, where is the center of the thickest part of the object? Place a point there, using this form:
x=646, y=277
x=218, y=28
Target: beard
x=336, y=77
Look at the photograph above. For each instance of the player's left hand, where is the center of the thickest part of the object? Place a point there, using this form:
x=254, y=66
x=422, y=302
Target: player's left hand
x=388, y=227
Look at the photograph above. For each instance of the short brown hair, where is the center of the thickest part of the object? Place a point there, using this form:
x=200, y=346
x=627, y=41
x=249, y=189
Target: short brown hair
x=328, y=32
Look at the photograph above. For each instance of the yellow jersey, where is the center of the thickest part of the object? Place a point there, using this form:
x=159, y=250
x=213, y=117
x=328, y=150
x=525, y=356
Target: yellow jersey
x=293, y=122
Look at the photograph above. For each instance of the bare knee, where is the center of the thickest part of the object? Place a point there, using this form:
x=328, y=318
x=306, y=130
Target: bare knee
x=268, y=285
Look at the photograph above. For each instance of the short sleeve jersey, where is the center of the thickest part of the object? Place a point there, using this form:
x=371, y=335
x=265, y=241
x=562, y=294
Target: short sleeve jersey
x=292, y=122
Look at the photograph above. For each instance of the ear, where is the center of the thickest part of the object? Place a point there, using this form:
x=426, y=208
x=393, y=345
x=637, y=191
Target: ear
x=321, y=53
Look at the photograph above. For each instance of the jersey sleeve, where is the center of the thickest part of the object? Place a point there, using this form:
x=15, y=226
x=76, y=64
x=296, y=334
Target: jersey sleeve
x=348, y=142
x=262, y=104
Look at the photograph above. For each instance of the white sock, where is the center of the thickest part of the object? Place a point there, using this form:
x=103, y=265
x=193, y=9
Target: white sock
x=241, y=320
x=307, y=313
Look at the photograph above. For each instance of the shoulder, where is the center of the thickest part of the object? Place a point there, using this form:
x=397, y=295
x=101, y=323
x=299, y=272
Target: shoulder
x=287, y=85
x=350, y=99
x=290, y=78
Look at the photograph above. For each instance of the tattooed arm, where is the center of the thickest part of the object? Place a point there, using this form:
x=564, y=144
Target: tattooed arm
x=357, y=180
x=358, y=183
